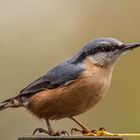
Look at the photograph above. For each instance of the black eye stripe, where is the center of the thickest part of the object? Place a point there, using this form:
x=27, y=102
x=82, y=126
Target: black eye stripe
x=107, y=47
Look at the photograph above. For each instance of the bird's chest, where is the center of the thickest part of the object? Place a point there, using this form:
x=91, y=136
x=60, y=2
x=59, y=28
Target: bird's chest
x=93, y=86
x=93, y=89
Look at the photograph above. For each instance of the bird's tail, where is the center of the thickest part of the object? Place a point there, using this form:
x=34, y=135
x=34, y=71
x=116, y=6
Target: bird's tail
x=12, y=102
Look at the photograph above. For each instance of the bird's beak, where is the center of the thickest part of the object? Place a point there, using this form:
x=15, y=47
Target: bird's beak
x=130, y=46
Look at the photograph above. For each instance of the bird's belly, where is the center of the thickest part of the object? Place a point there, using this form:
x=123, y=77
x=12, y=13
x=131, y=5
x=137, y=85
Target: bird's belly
x=68, y=101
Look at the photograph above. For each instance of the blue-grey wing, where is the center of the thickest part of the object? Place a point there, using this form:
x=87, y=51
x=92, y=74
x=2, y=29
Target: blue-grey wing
x=58, y=76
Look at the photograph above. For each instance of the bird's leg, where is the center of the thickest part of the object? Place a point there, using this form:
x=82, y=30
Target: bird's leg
x=50, y=131
x=41, y=130
x=86, y=132
x=84, y=128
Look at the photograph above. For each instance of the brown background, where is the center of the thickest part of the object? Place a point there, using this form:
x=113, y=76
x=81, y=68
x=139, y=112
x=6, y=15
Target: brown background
x=35, y=35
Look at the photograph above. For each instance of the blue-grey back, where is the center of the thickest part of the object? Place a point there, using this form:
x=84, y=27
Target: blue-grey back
x=58, y=76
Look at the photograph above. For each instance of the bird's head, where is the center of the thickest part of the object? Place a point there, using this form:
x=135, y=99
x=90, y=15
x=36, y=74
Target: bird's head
x=105, y=51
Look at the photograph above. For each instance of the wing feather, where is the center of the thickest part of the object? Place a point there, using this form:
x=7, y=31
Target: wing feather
x=58, y=76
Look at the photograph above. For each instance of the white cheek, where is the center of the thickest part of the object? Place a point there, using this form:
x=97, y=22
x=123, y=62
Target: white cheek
x=100, y=57
x=104, y=58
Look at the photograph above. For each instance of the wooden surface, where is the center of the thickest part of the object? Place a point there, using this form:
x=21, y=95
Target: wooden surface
x=69, y=138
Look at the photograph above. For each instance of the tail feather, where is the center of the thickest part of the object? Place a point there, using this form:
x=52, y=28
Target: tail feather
x=3, y=105
x=7, y=103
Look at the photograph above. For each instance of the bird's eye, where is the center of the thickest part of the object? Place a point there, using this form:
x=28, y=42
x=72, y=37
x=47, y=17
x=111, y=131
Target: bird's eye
x=106, y=48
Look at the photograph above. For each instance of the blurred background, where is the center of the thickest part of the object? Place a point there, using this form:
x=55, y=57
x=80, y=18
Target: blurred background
x=35, y=35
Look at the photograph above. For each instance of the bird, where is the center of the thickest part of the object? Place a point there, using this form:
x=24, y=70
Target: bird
x=73, y=86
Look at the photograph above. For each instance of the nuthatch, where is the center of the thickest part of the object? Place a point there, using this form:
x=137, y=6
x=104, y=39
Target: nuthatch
x=74, y=86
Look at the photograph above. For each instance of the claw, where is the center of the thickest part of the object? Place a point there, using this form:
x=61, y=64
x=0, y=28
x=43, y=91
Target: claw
x=75, y=130
x=59, y=133
x=51, y=133
x=65, y=133
x=101, y=132
x=91, y=133
x=40, y=130
x=84, y=132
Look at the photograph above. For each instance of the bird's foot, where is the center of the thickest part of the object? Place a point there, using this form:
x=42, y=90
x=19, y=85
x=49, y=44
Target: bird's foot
x=100, y=132
x=85, y=132
x=40, y=130
x=51, y=133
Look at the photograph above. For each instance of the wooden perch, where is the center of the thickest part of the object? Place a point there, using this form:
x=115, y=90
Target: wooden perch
x=70, y=138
